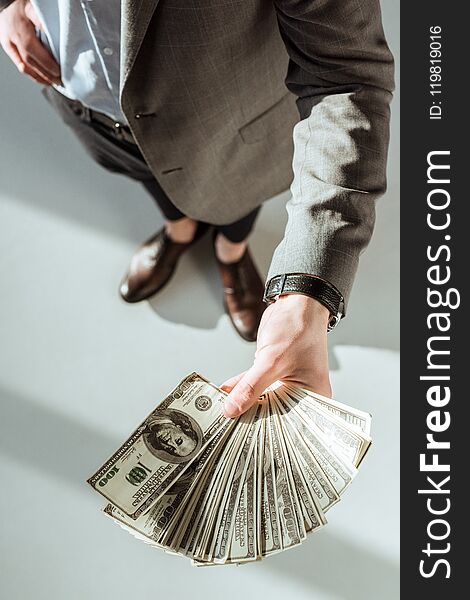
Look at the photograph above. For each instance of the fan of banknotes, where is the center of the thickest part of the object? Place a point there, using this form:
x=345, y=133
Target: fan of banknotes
x=218, y=491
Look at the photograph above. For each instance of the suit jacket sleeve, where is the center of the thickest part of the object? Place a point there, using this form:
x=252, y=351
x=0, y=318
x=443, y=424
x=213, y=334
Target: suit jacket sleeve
x=341, y=71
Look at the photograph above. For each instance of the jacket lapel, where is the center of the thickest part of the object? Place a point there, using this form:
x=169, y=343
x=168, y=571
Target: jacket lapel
x=135, y=18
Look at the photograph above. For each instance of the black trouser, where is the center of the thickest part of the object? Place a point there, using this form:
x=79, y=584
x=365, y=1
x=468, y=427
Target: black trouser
x=112, y=148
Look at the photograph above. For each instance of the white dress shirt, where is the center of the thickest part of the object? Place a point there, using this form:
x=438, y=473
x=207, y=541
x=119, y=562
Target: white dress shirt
x=84, y=38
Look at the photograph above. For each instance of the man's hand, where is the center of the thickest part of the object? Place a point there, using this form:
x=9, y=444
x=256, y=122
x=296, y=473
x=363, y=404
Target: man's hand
x=18, y=39
x=291, y=346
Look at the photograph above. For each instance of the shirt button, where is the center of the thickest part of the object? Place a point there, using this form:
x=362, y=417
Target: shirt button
x=108, y=51
x=137, y=115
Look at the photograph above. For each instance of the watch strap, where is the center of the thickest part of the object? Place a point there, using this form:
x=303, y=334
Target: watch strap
x=310, y=285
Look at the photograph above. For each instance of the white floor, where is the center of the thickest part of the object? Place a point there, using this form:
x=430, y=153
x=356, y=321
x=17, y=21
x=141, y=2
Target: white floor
x=79, y=368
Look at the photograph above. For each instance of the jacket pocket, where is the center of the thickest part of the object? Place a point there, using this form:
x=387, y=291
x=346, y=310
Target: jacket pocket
x=270, y=120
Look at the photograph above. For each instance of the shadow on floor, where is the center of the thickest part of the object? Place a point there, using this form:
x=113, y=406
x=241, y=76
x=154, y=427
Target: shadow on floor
x=57, y=445
x=67, y=183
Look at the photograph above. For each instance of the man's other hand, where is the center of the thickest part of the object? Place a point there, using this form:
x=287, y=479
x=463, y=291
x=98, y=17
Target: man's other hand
x=291, y=347
x=19, y=40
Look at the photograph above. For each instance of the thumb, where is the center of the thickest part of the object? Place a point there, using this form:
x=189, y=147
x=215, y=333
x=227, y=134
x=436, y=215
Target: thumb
x=32, y=16
x=247, y=391
x=229, y=384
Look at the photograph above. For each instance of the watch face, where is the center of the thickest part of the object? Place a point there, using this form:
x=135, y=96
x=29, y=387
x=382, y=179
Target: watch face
x=334, y=320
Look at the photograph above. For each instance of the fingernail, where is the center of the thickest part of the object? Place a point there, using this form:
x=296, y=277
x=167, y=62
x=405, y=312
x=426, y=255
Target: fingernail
x=231, y=409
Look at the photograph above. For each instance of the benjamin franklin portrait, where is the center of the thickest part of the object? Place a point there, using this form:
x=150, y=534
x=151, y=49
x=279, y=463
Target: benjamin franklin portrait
x=173, y=436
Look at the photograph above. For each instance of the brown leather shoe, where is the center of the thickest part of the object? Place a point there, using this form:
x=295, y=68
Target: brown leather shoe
x=243, y=295
x=153, y=265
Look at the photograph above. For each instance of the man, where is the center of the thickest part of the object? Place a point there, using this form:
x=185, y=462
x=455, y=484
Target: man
x=172, y=432
x=196, y=108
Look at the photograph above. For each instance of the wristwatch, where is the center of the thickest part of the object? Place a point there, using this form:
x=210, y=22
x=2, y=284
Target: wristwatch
x=310, y=285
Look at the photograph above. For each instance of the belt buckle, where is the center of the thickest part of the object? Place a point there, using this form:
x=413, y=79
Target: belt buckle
x=333, y=321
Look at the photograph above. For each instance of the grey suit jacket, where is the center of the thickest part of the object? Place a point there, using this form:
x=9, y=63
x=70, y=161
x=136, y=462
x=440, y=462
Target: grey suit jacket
x=204, y=90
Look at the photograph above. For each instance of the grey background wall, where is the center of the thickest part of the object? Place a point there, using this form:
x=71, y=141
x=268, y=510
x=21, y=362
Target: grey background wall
x=78, y=368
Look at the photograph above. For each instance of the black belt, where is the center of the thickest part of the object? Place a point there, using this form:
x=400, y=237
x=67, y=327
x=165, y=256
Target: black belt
x=121, y=131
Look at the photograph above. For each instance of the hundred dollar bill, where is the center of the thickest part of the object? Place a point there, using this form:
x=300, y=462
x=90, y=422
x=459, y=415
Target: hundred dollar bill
x=243, y=545
x=319, y=487
x=160, y=517
x=240, y=503
x=220, y=490
x=305, y=472
x=230, y=491
x=225, y=488
x=293, y=491
x=161, y=449
x=201, y=469
x=346, y=440
x=259, y=479
x=314, y=517
x=290, y=535
x=194, y=526
x=128, y=524
x=172, y=536
x=338, y=473
x=351, y=415
x=187, y=532
x=270, y=542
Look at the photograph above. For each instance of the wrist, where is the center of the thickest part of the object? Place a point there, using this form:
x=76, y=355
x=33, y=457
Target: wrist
x=311, y=286
x=309, y=308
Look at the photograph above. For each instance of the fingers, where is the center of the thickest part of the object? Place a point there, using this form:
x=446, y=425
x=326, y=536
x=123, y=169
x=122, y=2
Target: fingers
x=34, y=75
x=229, y=384
x=19, y=40
x=14, y=55
x=38, y=59
x=319, y=384
x=32, y=16
x=247, y=391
